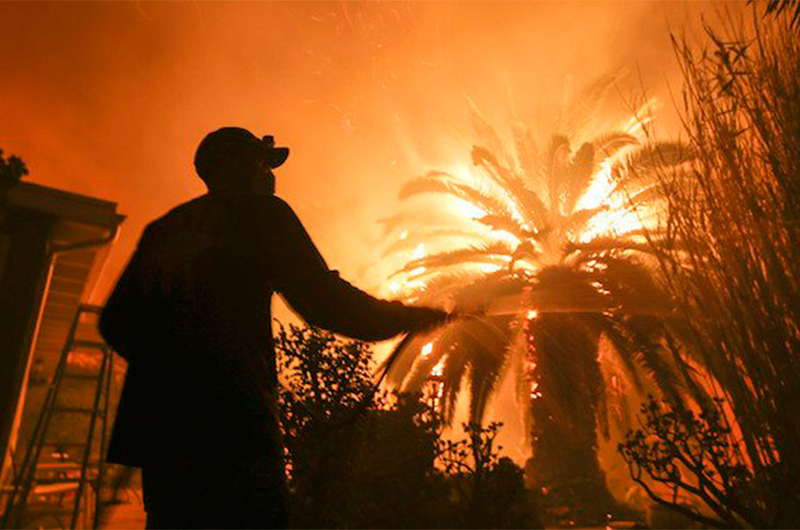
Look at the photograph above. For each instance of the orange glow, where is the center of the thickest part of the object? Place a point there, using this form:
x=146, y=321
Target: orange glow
x=438, y=370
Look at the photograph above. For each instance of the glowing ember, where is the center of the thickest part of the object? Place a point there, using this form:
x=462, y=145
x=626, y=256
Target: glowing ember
x=416, y=272
x=438, y=370
x=427, y=350
x=532, y=314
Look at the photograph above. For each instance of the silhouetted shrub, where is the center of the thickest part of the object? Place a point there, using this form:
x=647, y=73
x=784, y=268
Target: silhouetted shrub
x=383, y=465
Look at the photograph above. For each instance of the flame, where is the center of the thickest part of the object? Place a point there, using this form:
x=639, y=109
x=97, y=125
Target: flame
x=475, y=227
x=427, y=350
x=618, y=219
x=438, y=370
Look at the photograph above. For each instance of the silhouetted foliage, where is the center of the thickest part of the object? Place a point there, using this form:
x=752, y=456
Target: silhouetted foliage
x=735, y=277
x=697, y=456
x=375, y=471
x=788, y=8
x=11, y=170
x=389, y=467
x=491, y=489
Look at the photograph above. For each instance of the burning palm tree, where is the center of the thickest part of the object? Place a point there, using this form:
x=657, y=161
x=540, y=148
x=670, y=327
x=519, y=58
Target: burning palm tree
x=554, y=248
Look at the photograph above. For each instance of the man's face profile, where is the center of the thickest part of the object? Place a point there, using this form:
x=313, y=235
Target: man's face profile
x=233, y=160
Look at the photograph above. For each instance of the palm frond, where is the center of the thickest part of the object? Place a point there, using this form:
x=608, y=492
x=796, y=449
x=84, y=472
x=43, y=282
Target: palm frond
x=602, y=244
x=493, y=253
x=453, y=372
x=624, y=351
x=422, y=370
x=527, y=202
x=487, y=134
x=413, y=239
x=438, y=182
x=576, y=221
x=579, y=175
x=491, y=339
x=646, y=334
x=404, y=357
x=631, y=286
x=583, y=110
x=637, y=340
x=444, y=284
x=479, y=345
x=556, y=163
x=490, y=286
x=607, y=145
x=646, y=194
x=507, y=224
x=647, y=158
x=527, y=155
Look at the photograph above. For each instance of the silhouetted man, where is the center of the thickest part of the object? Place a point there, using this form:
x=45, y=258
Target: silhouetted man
x=191, y=314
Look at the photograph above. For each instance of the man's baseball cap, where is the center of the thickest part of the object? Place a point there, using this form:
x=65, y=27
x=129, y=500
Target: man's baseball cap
x=229, y=144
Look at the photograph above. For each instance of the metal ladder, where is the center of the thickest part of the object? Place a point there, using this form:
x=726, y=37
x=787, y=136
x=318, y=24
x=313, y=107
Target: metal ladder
x=53, y=473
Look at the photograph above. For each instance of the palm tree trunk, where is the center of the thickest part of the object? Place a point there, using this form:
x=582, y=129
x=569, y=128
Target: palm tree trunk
x=566, y=387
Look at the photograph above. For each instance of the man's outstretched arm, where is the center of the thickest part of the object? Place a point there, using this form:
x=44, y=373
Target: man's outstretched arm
x=327, y=301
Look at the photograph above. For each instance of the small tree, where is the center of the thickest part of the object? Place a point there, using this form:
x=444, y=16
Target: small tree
x=374, y=469
x=678, y=454
x=491, y=489
x=11, y=170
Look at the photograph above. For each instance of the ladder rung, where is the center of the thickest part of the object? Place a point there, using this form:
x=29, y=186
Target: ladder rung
x=50, y=509
x=90, y=344
x=47, y=508
x=91, y=476
x=90, y=308
x=78, y=410
x=58, y=466
x=63, y=480
x=81, y=375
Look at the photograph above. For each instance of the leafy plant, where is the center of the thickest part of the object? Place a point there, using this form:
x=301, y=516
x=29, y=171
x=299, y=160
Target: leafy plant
x=490, y=488
x=697, y=456
x=375, y=472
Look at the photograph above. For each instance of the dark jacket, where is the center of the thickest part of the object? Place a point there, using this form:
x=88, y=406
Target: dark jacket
x=191, y=315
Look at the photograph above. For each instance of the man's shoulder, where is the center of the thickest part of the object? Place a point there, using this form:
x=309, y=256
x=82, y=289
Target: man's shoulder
x=181, y=215
x=202, y=210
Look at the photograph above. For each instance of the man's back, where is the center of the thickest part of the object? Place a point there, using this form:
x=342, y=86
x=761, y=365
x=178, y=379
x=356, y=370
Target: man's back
x=191, y=314
x=196, y=321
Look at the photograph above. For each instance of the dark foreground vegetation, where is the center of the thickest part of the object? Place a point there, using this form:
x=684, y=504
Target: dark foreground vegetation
x=387, y=467
x=732, y=453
